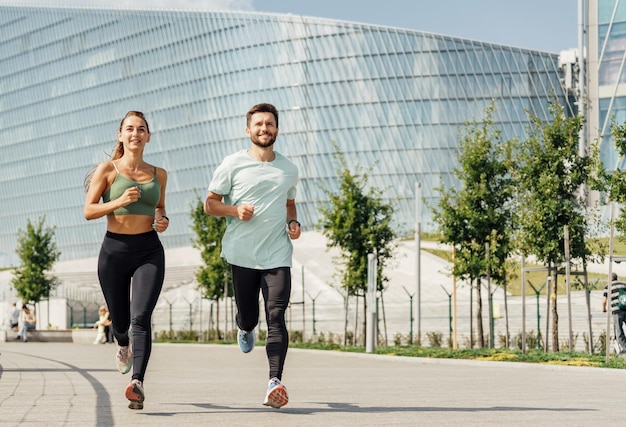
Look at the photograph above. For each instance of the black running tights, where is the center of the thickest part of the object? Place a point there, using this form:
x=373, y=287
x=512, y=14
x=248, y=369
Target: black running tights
x=139, y=257
x=275, y=285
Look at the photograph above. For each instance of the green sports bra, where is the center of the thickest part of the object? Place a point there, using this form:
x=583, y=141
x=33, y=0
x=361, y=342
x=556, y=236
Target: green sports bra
x=147, y=203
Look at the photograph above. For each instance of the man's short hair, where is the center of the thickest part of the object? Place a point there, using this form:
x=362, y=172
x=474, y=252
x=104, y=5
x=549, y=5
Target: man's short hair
x=614, y=277
x=262, y=108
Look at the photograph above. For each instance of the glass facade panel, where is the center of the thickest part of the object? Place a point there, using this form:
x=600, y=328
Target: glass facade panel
x=611, y=27
x=392, y=100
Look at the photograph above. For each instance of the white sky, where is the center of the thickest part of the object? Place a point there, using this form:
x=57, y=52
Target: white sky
x=549, y=25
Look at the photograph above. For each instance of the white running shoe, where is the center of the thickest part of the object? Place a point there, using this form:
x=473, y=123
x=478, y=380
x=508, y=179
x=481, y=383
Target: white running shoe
x=134, y=393
x=124, y=358
x=276, y=395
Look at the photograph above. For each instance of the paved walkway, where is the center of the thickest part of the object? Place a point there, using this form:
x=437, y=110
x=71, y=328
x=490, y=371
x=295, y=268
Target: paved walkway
x=64, y=384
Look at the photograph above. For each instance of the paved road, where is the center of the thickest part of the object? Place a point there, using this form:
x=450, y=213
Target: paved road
x=65, y=384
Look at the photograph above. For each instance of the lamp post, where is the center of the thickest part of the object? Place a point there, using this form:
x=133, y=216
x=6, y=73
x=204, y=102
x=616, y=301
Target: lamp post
x=418, y=244
x=410, y=314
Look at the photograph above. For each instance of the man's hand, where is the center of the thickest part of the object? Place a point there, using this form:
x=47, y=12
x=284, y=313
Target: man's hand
x=294, y=230
x=245, y=212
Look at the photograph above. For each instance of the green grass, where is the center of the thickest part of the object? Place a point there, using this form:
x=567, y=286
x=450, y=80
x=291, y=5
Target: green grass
x=495, y=355
x=484, y=354
x=538, y=278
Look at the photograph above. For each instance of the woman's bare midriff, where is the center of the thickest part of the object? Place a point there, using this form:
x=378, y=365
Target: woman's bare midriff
x=129, y=224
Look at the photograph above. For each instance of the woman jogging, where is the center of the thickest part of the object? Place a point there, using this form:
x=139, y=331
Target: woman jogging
x=131, y=194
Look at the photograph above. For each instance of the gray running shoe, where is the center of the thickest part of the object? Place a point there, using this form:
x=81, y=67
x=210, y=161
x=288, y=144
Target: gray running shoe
x=246, y=340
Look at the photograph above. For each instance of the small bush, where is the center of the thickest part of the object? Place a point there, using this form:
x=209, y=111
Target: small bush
x=397, y=339
x=321, y=338
x=564, y=344
x=600, y=346
x=187, y=335
x=531, y=340
x=435, y=339
x=336, y=338
x=502, y=340
x=295, y=336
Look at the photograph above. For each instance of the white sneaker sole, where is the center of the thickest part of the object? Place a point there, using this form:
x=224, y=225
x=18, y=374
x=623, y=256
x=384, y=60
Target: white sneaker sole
x=277, y=398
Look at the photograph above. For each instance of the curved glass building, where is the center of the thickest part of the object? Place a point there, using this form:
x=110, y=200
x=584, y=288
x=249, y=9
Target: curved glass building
x=393, y=100
x=606, y=59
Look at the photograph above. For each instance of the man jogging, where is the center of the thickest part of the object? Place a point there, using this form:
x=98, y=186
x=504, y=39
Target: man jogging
x=255, y=190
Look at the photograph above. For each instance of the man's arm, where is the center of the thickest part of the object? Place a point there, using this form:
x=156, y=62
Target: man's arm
x=292, y=220
x=213, y=205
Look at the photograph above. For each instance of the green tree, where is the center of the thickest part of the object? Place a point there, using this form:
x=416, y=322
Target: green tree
x=358, y=223
x=37, y=252
x=551, y=173
x=479, y=212
x=214, y=273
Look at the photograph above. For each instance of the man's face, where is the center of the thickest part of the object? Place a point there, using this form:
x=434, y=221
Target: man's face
x=262, y=129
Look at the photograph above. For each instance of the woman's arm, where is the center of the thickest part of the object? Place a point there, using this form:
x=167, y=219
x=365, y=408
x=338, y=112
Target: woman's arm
x=161, y=221
x=100, y=182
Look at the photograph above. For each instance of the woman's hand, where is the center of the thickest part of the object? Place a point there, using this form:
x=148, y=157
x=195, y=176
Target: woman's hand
x=131, y=195
x=161, y=224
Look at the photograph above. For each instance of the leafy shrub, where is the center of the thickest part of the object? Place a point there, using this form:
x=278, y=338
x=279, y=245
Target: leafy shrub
x=435, y=338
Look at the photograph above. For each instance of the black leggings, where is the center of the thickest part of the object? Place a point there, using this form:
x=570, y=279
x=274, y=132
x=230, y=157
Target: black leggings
x=139, y=257
x=275, y=285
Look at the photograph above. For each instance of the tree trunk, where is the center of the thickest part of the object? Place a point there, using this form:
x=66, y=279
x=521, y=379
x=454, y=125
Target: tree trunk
x=225, y=306
x=345, y=321
x=382, y=307
x=588, y=304
x=356, y=319
x=471, y=316
x=479, y=316
x=507, y=344
x=555, y=315
x=217, y=319
x=364, y=331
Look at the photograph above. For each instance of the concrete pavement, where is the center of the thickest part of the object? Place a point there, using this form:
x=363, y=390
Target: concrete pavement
x=65, y=384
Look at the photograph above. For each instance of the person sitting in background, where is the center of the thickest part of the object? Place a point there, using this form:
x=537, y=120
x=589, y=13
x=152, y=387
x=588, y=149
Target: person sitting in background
x=102, y=323
x=27, y=321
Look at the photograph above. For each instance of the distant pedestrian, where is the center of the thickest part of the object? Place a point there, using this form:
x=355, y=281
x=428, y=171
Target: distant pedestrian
x=619, y=315
x=15, y=317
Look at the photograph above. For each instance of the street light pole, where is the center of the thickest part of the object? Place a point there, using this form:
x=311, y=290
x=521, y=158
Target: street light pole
x=609, y=290
x=418, y=245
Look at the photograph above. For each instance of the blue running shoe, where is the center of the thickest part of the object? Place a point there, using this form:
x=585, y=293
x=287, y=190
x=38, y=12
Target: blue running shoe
x=276, y=395
x=246, y=340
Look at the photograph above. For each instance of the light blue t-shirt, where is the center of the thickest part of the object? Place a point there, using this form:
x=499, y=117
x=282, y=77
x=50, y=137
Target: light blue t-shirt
x=262, y=242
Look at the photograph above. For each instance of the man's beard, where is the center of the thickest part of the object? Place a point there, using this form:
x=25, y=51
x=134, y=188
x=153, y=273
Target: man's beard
x=266, y=144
